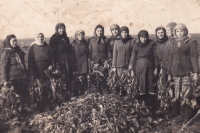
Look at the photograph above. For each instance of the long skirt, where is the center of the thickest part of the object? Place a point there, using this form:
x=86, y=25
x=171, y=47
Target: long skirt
x=66, y=71
x=144, y=72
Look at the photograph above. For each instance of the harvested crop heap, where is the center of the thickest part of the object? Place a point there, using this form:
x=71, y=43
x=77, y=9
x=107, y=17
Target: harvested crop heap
x=95, y=113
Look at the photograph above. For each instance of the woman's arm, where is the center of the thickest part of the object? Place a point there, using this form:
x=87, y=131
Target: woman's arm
x=4, y=67
x=115, y=53
x=31, y=61
x=194, y=56
x=133, y=58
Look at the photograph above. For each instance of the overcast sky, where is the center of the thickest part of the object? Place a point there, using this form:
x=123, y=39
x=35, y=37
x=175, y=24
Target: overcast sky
x=25, y=18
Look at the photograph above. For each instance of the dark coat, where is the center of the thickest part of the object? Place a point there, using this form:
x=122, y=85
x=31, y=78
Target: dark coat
x=112, y=42
x=183, y=59
x=98, y=53
x=144, y=60
x=165, y=62
x=80, y=53
x=160, y=51
x=122, y=53
x=39, y=59
x=10, y=67
x=148, y=51
x=62, y=51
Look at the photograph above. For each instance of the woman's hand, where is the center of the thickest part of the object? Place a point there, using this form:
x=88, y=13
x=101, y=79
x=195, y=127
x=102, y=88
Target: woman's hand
x=155, y=72
x=50, y=68
x=169, y=78
x=130, y=68
x=132, y=73
x=5, y=83
x=114, y=69
x=161, y=71
x=195, y=78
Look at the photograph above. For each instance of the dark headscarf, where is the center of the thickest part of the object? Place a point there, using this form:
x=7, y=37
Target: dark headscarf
x=57, y=37
x=7, y=46
x=57, y=27
x=99, y=26
x=143, y=33
x=165, y=38
x=124, y=40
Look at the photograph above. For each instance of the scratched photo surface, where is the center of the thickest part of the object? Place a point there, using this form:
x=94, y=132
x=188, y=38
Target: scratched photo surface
x=26, y=18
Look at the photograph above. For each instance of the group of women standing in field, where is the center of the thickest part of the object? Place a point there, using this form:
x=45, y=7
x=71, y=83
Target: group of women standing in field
x=173, y=54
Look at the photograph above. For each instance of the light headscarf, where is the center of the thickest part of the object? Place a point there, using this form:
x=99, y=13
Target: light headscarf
x=36, y=39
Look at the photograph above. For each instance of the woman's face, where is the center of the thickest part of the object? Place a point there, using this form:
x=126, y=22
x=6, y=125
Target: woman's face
x=160, y=34
x=99, y=32
x=80, y=36
x=61, y=30
x=40, y=38
x=114, y=32
x=180, y=33
x=168, y=32
x=13, y=42
x=143, y=39
x=124, y=34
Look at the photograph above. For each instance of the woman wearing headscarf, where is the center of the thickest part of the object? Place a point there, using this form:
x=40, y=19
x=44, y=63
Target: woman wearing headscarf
x=169, y=32
x=183, y=61
x=80, y=54
x=13, y=69
x=174, y=111
x=99, y=52
x=115, y=30
x=144, y=63
x=122, y=51
x=39, y=58
x=99, y=49
x=161, y=42
x=62, y=52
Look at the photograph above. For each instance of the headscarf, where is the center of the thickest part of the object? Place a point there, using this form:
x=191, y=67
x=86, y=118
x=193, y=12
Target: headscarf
x=7, y=44
x=36, y=39
x=57, y=35
x=16, y=50
x=124, y=40
x=180, y=26
x=186, y=37
x=99, y=26
x=58, y=26
x=113, y=38
x=76, y=35
x=78, y=32
x=143, y=33
x=114, y=26
x=165, y=38
x=171, y=26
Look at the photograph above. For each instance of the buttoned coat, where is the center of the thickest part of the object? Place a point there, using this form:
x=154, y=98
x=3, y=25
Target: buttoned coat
x=122, y=53
x=183, y=59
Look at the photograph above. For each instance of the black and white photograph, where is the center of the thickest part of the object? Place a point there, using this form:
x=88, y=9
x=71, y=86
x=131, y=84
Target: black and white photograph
x=108, y=66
